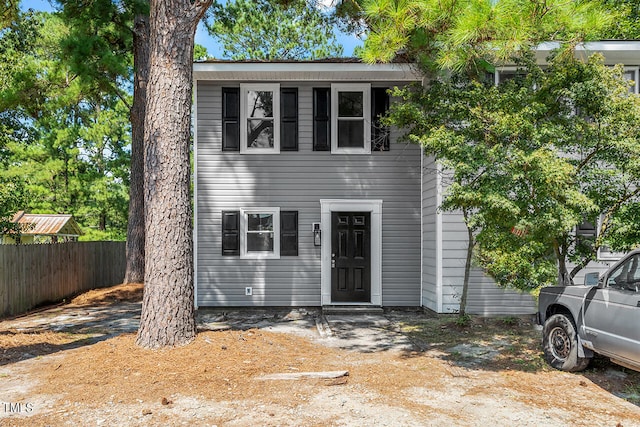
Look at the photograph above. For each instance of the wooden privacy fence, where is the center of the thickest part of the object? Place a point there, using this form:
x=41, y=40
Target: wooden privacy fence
x=33, y=274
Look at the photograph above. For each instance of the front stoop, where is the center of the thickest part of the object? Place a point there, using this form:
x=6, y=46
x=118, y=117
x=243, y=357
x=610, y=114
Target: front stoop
x=351, y=309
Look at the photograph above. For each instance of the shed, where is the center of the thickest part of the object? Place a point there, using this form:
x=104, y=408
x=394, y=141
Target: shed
x=44, y=228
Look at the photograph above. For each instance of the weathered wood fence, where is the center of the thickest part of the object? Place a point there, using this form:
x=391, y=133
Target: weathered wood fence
x=33, y=274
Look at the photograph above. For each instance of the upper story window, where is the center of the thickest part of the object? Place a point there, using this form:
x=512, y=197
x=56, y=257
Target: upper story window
x=351, y=118
x=508, y=73
x=260, y=118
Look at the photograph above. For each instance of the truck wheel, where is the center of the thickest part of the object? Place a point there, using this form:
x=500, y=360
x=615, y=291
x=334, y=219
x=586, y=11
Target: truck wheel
x=560, y=342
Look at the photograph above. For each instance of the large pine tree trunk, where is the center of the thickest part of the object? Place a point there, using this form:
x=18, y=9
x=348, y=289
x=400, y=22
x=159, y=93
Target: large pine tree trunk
x=135, y=226
x=167, y=309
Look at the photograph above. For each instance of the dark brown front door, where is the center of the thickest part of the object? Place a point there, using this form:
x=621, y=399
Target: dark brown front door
x=350, y=257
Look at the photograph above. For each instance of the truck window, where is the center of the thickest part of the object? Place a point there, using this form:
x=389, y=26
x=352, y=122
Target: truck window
x=627, y=275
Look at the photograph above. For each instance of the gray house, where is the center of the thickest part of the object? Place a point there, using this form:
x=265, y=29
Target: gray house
x=303, y=199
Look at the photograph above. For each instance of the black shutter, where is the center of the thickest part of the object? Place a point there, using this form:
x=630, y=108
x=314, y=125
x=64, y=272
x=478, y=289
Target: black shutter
x=230, y=233
x=230, y=119
x=289, y=119
x=379, y=107
x=289, y=233
x=321, y=119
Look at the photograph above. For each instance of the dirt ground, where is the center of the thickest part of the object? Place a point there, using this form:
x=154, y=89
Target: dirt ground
x=489, y=372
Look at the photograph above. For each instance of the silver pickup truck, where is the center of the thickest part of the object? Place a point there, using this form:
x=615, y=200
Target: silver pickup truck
x=604, y=318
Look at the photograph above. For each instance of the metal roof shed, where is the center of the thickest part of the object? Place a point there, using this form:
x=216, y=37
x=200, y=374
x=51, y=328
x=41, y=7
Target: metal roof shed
x=45, y=228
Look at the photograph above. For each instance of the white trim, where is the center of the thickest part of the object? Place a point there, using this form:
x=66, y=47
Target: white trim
x=305, y=71
x=195, y=193
x=439, y=282
x=267, y=87
x=347, y=205
x=365, y=88
x=244, y=254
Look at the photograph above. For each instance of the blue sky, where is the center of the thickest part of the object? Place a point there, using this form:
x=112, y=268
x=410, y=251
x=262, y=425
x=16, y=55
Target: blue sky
x=348, y=42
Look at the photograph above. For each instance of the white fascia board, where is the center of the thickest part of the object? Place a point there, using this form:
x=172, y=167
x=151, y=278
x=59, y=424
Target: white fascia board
x=304, y=71
x=625, y=52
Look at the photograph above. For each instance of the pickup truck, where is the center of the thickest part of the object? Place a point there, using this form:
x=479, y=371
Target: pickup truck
x=604, y=318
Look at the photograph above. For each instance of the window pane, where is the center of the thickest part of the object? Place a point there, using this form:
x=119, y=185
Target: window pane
x=627, y=275
x=260, y=133
x=350, y=104
x=260, y=242
x=260, y=222
x=351, y=133
x=631, y=76
x=260, y=103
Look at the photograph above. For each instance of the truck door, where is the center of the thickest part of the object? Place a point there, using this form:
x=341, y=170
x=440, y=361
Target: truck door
x=612, y=312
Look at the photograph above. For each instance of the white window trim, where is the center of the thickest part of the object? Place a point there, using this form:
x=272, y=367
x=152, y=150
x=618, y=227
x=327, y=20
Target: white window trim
x=276, y=233
x=365, y=88
x=496, y=73
x=338, y=205
x=244, y=89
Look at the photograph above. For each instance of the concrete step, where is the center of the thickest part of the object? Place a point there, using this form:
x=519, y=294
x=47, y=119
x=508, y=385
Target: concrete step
x=351, y=309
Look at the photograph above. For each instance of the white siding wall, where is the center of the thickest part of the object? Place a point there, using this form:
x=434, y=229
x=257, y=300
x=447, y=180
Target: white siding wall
x=297, y=181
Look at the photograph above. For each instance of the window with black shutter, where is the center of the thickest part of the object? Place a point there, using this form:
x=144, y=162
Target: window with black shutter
x=289, y=233
x=230, y=119
x=321, y=119
x=230, y=233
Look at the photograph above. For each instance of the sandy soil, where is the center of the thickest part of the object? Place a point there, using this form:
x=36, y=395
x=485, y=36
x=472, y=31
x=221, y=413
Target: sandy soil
x=488, y=373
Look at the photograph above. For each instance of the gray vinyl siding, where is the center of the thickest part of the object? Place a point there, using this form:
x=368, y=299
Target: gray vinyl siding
x=485, y=297
x=297, y=181
x=429, y=238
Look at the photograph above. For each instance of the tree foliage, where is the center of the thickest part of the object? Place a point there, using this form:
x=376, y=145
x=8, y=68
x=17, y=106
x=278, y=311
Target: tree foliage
x=69, y=141
x=530, y=159
x=626, y=26
x=12, y=197
x=471, y=35
x=468, y=38
x=9, y=12
x=264, y=29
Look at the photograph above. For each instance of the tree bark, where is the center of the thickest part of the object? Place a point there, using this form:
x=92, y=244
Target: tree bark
x=563, y=275
x=168, y=316
x=467, y=266
x=135, y=227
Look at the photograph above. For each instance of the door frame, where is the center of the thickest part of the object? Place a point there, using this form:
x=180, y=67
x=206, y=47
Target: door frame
x=351, y=205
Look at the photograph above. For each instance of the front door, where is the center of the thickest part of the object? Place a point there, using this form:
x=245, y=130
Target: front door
x=350, y=257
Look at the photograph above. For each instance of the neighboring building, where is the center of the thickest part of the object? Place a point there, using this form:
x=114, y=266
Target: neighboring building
x=44, y=228
x=302, y=199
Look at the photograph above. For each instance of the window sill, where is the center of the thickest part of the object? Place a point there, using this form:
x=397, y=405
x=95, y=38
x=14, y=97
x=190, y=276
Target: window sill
x=350, y=151
x=259, y=256
x=259, y=151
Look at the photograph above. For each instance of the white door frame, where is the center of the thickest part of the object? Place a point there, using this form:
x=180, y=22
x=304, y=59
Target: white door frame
x=349, y=205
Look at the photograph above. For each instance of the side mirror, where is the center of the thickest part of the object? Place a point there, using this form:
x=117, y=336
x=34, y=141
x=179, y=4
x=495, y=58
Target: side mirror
x=591, y=279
